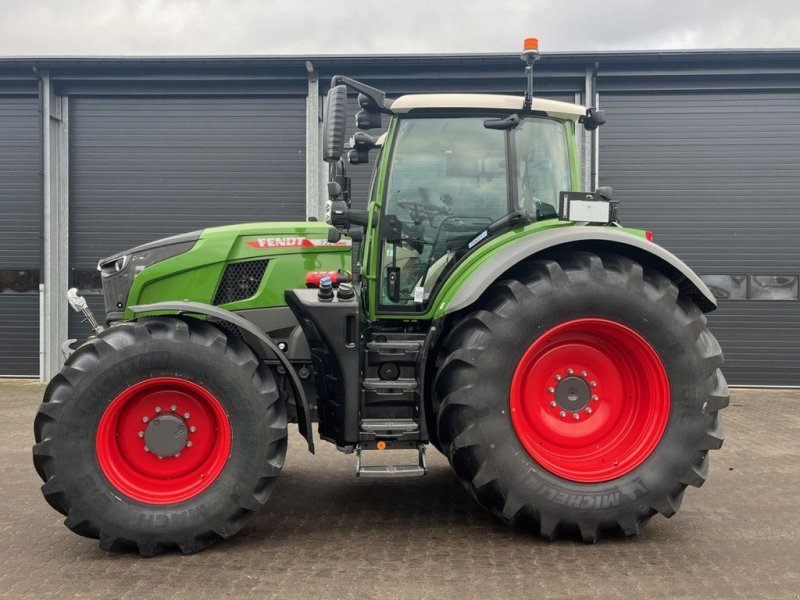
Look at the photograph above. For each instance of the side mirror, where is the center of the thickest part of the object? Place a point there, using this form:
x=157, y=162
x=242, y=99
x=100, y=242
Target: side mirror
x=369, y=117
x=362, y=143
x=594, y=118
x=335, y=119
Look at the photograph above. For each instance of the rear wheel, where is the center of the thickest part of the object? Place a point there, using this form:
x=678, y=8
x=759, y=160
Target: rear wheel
x=160, y=433
x=583, y=396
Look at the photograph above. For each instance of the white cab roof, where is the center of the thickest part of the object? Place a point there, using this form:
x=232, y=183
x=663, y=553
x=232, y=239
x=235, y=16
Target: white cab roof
x=554, y=108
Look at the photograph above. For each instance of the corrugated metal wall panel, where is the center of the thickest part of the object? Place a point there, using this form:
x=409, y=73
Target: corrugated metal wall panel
x=19, y=334
x=717, y=177
x=20, y=230
x=146, y=167
x=20, y=183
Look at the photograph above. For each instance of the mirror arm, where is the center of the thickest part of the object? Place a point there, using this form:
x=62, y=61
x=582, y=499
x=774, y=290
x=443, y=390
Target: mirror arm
x=376, y=95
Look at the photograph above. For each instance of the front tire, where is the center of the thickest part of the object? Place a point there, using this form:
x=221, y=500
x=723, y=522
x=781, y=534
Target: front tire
x=161, y=433
x=582, y=398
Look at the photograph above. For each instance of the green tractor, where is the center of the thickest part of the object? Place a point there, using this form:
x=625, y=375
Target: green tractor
x=482, y=304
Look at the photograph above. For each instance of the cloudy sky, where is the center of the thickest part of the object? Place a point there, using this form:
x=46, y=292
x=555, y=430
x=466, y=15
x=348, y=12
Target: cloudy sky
x=141, y=27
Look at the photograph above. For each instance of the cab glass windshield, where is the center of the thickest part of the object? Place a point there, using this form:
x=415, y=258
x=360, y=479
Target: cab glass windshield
x=448, y=180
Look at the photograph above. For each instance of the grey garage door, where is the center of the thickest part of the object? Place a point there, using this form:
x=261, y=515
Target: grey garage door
x=717, y=177
x=142, y=168
x=20, y=234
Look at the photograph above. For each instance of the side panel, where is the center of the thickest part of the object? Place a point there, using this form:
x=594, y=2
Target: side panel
x=195, y=274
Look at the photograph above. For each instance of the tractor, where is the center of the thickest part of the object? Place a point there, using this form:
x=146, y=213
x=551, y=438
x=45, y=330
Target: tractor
x=482, y=305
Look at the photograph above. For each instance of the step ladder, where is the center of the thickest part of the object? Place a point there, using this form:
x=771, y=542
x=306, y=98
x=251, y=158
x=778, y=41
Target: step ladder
x=421, y=468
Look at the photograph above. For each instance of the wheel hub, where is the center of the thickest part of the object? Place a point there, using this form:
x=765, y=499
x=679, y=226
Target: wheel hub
x=163, y=440
x=166, y=435
x=572, y=394
x=590, y=400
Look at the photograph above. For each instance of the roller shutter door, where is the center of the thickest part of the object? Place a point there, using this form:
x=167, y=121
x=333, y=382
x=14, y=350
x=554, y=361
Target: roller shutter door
x=142, y=168
x=717, y=177
x=20, y=234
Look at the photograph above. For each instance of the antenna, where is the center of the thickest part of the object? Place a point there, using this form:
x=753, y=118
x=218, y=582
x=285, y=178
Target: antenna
x=530, y=54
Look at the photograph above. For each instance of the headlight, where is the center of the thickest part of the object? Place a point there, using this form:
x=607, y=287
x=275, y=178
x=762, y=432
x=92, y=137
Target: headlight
x=117, y=271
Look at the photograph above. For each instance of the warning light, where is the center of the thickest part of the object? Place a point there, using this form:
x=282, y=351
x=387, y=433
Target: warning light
x=531, y=44
x=381, y=445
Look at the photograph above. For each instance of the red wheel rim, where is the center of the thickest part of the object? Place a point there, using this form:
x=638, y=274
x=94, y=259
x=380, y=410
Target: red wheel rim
x=590, y=400
x=152, y=476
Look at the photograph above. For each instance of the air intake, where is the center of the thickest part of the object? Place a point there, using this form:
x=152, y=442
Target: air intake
x=240, y=281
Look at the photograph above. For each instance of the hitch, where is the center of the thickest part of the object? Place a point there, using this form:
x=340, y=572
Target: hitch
x=79, y=304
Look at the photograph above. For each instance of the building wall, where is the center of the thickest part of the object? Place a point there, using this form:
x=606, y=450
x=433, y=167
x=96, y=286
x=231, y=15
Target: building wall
x=20, y=231
x=701, y=147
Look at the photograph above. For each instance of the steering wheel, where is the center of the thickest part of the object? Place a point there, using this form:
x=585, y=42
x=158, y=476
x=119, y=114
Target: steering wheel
x=420, y=211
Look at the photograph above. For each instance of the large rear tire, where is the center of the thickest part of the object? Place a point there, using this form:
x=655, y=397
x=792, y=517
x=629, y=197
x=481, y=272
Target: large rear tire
x=161, y=433
x=582, y=398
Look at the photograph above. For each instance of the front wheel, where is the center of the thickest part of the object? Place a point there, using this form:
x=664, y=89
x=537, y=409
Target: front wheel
x=162, y=433
x=582, y=398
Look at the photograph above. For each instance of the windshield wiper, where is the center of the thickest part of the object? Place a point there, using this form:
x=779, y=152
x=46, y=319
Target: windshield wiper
x=504, y=223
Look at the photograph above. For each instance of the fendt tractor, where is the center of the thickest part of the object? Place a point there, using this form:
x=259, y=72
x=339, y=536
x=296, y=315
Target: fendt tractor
x=482, y=304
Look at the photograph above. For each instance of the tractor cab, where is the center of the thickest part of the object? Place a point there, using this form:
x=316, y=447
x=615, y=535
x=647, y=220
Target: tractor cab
x=455, y=170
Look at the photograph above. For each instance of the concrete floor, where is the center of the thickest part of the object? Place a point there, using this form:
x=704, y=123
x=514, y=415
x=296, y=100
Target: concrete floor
x=326, y=534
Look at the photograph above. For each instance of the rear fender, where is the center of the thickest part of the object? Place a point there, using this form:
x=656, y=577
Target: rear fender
x=587, y=238
x=262, y=344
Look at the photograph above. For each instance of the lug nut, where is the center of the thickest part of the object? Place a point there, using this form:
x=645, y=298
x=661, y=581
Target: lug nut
x=177, y=455
x=158, y=409
x=562, y=414
x=570, y=371
x=558, y=377
x=173, y=408
x=584, y=373
x=145, y=419
x=160, y=458
x=189, y=444
x=192, y=428
x=595, y=398
x=593, y=383
x=576, y=416
x=186, y=415
x=588, y=410
x=141, y=434
x=146, y=449
x=552, y=404
x=551, y=389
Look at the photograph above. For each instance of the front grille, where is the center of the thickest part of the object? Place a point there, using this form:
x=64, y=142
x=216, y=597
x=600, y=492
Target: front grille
x=240, y=281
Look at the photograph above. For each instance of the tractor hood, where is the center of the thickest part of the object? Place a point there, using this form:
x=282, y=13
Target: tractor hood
x=236, y=266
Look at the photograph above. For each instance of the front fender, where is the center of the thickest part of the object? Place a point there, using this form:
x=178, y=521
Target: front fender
x=584, y=238
x=259, y=341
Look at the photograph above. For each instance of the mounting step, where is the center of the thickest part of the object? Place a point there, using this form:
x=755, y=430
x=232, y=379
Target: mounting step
x=421, y=468
x=395, y=346
x=403, y=385
x=389, y=428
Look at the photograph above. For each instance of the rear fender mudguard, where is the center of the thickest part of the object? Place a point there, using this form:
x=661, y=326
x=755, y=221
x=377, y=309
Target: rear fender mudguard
x=264, y=347
x=591, y=239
